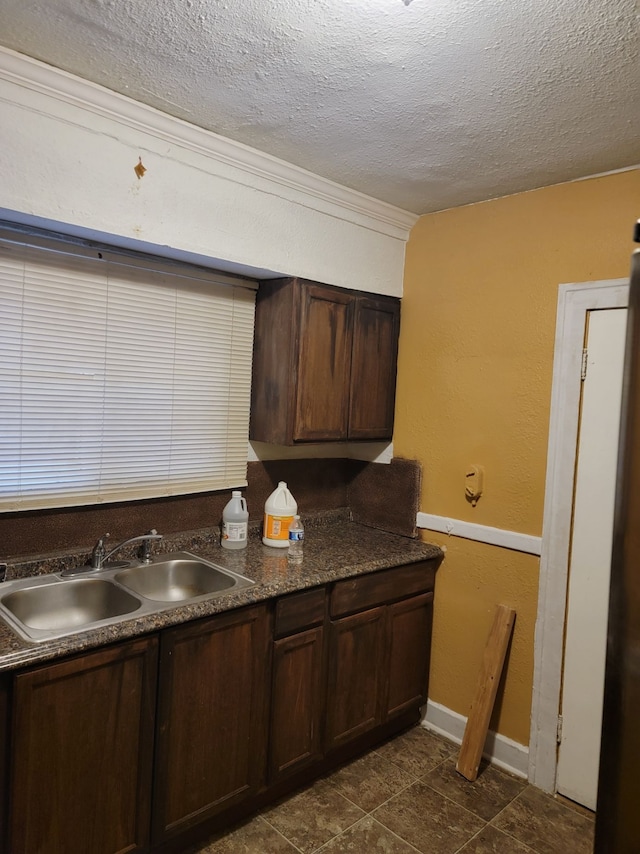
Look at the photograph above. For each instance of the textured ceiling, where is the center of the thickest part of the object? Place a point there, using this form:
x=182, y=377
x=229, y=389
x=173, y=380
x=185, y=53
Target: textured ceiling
x=426, y=104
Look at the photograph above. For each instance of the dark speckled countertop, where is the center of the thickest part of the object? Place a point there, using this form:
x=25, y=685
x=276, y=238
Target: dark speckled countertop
x=334, y=548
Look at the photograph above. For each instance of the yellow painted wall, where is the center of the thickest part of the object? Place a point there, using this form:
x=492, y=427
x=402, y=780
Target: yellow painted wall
x=474, y=386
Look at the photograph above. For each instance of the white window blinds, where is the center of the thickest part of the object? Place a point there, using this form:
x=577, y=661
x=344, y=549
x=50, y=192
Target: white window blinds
x=119, y=379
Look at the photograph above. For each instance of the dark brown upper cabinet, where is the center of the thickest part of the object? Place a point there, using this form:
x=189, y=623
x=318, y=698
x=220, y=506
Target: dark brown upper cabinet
x=324, y=364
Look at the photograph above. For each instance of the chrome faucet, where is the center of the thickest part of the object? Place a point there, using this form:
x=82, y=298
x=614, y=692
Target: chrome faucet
x=99, y=555
x=144, y=552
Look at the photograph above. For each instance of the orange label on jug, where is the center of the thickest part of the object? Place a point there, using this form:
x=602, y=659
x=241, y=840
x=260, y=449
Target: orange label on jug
x=277, y=527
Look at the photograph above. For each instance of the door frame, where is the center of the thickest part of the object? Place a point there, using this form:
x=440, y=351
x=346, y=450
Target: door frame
x=574, y=301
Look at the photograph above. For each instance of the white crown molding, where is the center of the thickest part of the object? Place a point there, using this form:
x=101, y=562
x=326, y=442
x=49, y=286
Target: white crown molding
x=288, y=179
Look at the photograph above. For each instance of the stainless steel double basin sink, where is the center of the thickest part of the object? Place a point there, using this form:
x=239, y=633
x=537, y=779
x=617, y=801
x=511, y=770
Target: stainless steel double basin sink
x=49, y=606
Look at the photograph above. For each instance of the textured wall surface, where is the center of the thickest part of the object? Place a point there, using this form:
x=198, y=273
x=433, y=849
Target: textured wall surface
x=474, y=386
x=428, y=104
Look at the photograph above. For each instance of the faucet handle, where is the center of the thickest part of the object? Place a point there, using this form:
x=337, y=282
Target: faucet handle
x=99, y=552
x=101, y=542
x=144, y=552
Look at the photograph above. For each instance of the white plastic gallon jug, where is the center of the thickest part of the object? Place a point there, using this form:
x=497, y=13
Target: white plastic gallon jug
x=279, y=510
x=235, y=518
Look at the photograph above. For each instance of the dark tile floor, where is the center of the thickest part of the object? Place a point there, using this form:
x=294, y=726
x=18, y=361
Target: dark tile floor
x=406, y=797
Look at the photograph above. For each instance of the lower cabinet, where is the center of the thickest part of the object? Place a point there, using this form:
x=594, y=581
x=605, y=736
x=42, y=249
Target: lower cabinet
x=125, y=748
x=5, y=692
x=81, y=754
x=297, y=707
x=379, y=655
x=356, y=676
x=297, y=695
x=211, y=742
x=408, y=644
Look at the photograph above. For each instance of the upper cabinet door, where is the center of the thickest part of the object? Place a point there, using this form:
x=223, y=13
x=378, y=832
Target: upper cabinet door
x=324, y=357
x=373, y=368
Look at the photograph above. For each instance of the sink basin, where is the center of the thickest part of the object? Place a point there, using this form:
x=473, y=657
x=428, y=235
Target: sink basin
x=62, y=607
x=54, y=606
x=178, y=578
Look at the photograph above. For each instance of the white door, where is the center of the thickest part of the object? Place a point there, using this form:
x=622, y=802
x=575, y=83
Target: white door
x=590, y=561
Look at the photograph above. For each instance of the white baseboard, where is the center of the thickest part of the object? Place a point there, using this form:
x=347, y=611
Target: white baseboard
x=499, y=750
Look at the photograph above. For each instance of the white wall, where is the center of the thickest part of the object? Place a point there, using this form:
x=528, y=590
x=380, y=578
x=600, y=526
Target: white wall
x=68, y=150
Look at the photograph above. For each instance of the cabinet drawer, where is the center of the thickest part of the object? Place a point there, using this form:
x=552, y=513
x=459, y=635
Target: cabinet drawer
x=299, y=611
x=388, y=585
